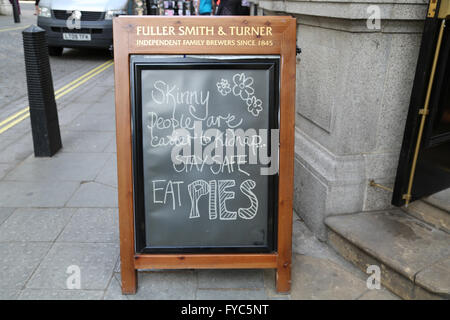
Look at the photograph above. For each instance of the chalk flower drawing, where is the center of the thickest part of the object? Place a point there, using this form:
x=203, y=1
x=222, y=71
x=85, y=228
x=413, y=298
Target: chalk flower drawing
x=243, y=86
x=254, y=105
x=223, y=87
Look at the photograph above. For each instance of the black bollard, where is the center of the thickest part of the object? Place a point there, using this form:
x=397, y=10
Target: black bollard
x=41, y=97
x=15, y=7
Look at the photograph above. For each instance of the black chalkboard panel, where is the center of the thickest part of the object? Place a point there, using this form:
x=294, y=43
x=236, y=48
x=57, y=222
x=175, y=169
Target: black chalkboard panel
x=200, y=128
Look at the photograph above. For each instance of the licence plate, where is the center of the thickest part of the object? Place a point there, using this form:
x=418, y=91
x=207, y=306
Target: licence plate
x=77, y=36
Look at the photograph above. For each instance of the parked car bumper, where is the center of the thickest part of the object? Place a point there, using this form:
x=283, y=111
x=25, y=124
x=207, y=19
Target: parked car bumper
x=100, y=31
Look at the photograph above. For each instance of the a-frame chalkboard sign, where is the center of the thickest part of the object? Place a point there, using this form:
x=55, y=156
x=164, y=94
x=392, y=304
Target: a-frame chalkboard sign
x=205, y=143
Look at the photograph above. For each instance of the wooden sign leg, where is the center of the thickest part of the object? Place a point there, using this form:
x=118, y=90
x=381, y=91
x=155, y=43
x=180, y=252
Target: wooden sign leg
x=129, y=277
x=286, y=165
x=284, y=278
x=127, y=269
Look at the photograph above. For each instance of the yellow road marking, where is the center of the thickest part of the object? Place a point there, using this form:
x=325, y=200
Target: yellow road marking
x=58, y=91
x=14, y=116
x=12, y=124
x=58, y=94
x=16, y=28
x=83, y=76
x=79, y=83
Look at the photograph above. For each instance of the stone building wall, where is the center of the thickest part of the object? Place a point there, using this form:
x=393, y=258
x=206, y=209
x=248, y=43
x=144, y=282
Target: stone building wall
x=354, y=82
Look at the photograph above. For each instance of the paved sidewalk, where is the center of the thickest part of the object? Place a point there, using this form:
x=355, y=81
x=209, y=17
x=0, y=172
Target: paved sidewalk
x=62, y=211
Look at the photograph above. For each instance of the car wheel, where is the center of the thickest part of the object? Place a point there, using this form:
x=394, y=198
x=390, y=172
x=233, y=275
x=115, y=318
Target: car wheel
x=55, y=51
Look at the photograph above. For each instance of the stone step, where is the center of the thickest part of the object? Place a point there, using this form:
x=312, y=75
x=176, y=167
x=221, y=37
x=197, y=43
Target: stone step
x=414, y=258
x=440, y=200
x=430, y=214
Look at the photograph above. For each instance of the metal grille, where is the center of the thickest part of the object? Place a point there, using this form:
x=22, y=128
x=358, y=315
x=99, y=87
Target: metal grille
x=82, y=30
x=85, y=15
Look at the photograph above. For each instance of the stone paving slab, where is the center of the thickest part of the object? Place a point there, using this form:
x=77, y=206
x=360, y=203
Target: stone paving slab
x=93, y=92
x=231, y=279
x=166, y=285
x=107, y=82
x=70, y=112
x=270, y=286
x=321, y=279
x=94, y=194
x=32, y=224
x=36, y=194
x=117, y=266
x=92, y=225
x=9, y=294
x=5, y=213
x=94, y=122
x=108, y=175
x=378, y=294
x=114, y=291
x=4, y=168
x=230, y=294
x=17, y=150
x=103, y=107
x=304, y=242
x=4, y=143
x=73, y=294
x=15, y=133
x=111, y=147
x=18, y=261
x=95, y=260
x=76, y=141
x=60, y=167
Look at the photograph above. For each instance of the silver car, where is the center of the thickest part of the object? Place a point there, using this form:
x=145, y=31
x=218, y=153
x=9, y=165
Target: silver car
x=79, y=23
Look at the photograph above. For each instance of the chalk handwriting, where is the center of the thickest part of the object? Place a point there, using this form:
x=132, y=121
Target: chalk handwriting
x=216, y=144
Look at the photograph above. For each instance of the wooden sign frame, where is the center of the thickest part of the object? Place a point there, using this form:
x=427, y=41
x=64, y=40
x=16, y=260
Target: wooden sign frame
x=261, y=35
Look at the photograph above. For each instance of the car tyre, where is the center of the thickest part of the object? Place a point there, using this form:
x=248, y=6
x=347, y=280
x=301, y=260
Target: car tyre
x=55, y=51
